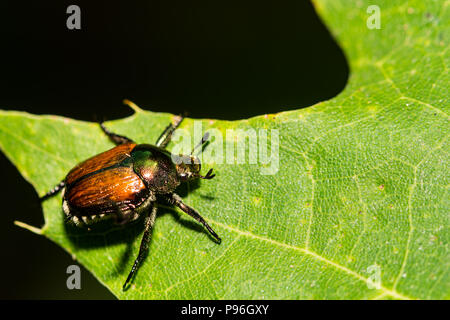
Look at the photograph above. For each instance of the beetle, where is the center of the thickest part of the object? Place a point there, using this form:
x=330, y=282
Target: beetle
x=125, y=183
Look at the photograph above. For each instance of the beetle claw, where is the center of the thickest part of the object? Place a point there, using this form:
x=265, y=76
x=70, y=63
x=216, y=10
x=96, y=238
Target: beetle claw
x=208, y=175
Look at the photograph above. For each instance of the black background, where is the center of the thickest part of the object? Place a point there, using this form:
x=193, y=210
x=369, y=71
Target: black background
x=214, y=59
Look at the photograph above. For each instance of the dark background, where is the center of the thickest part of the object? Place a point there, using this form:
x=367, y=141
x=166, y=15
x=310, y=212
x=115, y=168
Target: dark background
x=226, y=60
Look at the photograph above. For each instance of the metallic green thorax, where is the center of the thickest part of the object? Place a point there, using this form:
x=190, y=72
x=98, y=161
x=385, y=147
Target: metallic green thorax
x=155, y=167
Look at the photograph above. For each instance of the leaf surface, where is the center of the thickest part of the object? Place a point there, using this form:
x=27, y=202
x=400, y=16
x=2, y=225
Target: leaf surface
x=361, y=188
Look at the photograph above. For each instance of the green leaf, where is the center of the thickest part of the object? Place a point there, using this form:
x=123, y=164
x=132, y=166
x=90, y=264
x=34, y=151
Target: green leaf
x=361, y=187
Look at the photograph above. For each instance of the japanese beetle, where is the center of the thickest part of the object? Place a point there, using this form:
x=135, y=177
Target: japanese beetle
x=125, y=182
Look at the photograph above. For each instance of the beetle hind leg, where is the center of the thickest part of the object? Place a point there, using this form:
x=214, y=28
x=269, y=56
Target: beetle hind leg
x=121, y=216
x=149, y=222
x=53, y=191
x=116, y=138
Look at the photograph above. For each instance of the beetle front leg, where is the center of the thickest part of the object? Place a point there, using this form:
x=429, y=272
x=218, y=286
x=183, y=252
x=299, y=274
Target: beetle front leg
x=149, y=222
x=116, y=138
x=176, y=200
x=165, y=137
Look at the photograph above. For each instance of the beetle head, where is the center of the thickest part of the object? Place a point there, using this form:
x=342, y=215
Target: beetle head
x=188, y=167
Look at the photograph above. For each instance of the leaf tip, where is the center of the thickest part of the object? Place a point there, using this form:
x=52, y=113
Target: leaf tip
x=28, y=227
x=132, y=105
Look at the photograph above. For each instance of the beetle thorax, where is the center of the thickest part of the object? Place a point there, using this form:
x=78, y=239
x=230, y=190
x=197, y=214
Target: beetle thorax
x=156, y=169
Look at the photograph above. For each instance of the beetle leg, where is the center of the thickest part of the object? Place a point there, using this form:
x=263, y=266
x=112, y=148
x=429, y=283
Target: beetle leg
x=120, y=217
x=176, y=200
x=149, y=222
x=165, y=137
x=53, y=191
x=117, y=139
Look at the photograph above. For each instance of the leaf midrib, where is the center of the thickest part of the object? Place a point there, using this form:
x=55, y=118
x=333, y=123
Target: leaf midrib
x=305, y=251
x=310, y=253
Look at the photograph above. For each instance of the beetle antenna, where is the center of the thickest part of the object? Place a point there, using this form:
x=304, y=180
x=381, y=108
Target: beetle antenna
x=208, y=175
x=202, y=142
